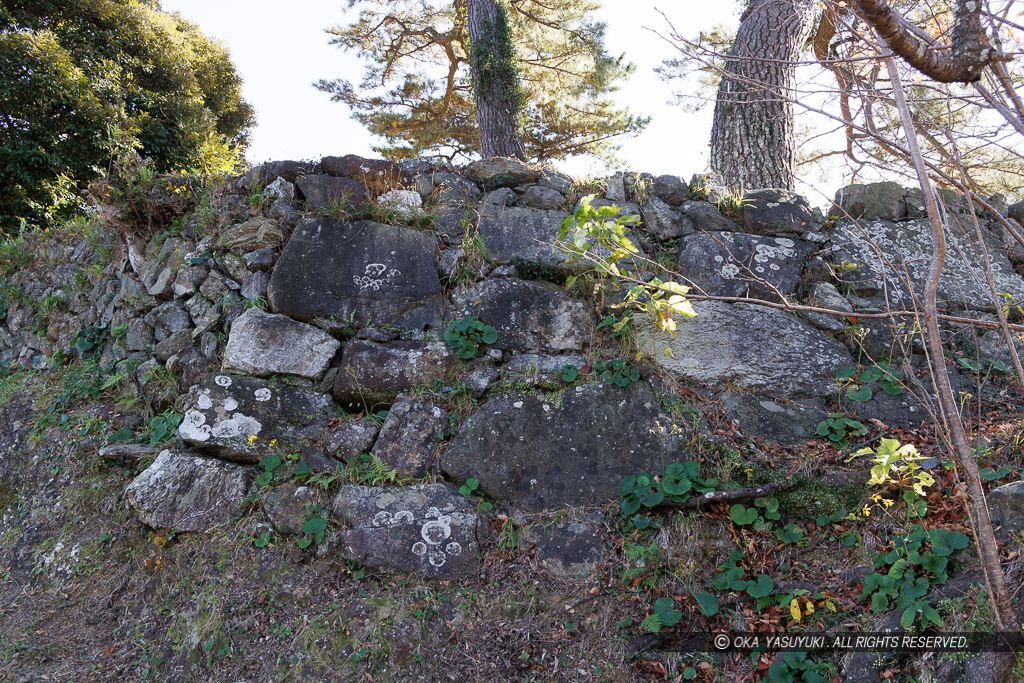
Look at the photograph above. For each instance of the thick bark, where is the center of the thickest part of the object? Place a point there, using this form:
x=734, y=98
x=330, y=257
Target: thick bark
x=963, y=61
x=495, y=80
x=752, y=141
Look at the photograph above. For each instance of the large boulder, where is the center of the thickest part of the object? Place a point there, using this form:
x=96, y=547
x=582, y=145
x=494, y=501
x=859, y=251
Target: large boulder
x=872, y=202
x=268, y=172
x=776, y=212
x=706, y=217
x=528, y=315
x=376, y=175
x=522, y=234
x=264, y=344
x=571, y=448
x=750, y=346
x=182, y=491
x=447, y=189
x=326, y=193
x=906, y=248
x=378, y=373
x=786, y=423
x=502, y=172
x=361, y=272
x=245, y=419
x=428, y=529
x=738, y=264
x=1006, y=503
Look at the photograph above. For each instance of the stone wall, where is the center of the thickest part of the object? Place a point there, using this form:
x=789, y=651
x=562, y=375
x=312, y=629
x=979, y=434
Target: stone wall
x=311, y=297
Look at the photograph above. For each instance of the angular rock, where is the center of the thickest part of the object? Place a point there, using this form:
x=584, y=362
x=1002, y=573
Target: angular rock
x=327, y=193
x=672, y=189
x=255, y=233
x=377, y=175
x=707, y=218
x=261, y=259
x=501, y=172
x=127, y=454
x=280, y=189
x=378, y=373
x=663, y=222
x=1006, y=503
x=139, y=335
x=909, y=245
x=237, y=418
x=172, y=345
x=522, y=233
x=735, y=264
x=825, y=295
x=777, y=212
x=267, y=172
x=528, y=315
x=570, y=550
x=255, y=286
x=785, y=423
x=428, y=530
x=872, y=202
x=162, y=287
x=205, y=314
x=480, y=379
x=409, y=440
x=560, y=182
x=406, y=203
x=751, y=346
x=540, y=197
x=288, y=506
x=447, y=189
x=539, y=368
x=347, y=441
x=502, y=197
x=188, y=280
x=572, y=448
x=615, y=188
x=363, y=273
x=184, y=492
x=168, y=318
x=216, y=285
x=264, y=344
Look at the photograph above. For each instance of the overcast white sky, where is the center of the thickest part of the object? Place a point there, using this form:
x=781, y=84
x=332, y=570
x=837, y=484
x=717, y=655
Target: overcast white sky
x=280, y=49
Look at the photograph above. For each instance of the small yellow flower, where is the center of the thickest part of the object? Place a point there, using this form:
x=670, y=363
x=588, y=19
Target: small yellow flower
x=273, y=442
x=866, y=511
x=252, y=439
x=887, y=502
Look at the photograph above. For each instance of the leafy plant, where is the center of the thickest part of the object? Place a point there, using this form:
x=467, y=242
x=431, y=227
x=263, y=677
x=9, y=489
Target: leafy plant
x=732, y=577
x=839, y=428
x=617, y=372
x=370, y=469
x=470, y=488
x=269, y=464
x=468, y=334
x=797, y=665
x=644, y=490
x=313, y=528
x=569, y=373
x=663, y=615
x=900, y=465
x=909, y=570
x=598, y=236
x=89, y=341
x=857, y=385
x=163, y=428
x=707, y=602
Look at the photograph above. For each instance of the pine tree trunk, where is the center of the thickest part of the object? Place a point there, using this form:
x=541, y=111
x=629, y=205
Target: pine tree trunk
x=495, y=80
x=752, y=142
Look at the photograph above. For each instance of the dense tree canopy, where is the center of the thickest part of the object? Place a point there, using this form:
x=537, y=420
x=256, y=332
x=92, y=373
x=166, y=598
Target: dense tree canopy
x=83, y=80
x=417, y=92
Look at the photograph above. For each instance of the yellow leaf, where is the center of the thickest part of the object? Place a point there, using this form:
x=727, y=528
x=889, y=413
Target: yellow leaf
x=160, y=541
x=794, y=609
x=668, y=352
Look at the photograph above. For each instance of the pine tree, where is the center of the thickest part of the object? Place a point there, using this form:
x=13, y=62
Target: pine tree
x=417, y=91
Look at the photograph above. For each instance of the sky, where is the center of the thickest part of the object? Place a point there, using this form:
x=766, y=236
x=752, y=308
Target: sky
x=281, y=49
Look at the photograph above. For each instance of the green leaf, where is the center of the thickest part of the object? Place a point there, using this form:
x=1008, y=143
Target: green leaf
x=265, y=479
x=870, y=375
x=742, y=515
x=708, y=603
x=846, y=373
x=316, y=527
x=859, y=394
x=667, y=614
x=988, y=474
x=761, y=586
x=790, y=534
x=908, y=616
x=301, y=469
x=947, y=542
